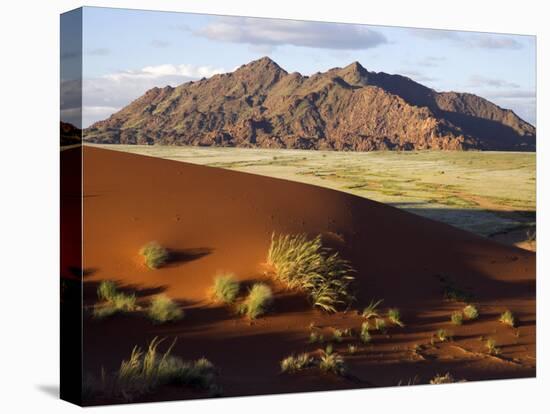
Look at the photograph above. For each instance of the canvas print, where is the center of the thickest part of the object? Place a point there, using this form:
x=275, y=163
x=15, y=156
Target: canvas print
x=260, y=206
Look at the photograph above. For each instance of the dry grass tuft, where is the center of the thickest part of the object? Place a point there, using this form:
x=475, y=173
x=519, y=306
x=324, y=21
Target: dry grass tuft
x=304, y=264
x=154, y=255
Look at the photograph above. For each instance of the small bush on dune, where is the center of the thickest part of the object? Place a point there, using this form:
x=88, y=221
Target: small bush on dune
x=491, y=346
x=380, y=325
x=443, y=379
x=352, y=349
x=106, y=290
x=442, y=335
x=293, y=363
x=365, y=334
x=306, y=265
x=143, y=372
x=395, y=317
x=370, y=311
x=507, y=318
x=113, y=301
x=315, y=337
x=226, y=288
x=257, y=302
x=337, y=335
x=154, y=255
x=470, y=312
x=456, y=318
x=163, y=309
x=332, y=362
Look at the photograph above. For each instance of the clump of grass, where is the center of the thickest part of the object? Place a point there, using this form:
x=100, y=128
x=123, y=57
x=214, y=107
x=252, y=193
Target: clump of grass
x=457, y=318
x=297, y=363
x=443, y=379
x=163, y=309
x=113, y=301
x=306, y=265
x=337, y=335
x=370, y=311
x=315, y=337
x=154, y=255
x=332, y=362
x=395, y=317
x=380, y=325
x=106, y=290
x=329, y=349
x=442, y=335
x=491, y=346
x=257, y=302
x=470, y=312
x=365, y=334
x=144, y=372
x=226, y=288
x=507, y=318
x=352, y=349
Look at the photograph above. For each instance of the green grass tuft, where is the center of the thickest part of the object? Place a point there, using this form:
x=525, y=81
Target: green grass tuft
x=257, y=302
x=370, y=311
x=457, y=318
x=297, y=363
x=380, y=325
x=507, y=318
x=106, y=290
x=365, y=334
x=154, y=255
x=304, y=264
x=332, y=362
x=163, y=309
x=226, y=288
x=470, y=312
x=113, y=301
x=395, y=317
x=442, y=335
x=491, y=346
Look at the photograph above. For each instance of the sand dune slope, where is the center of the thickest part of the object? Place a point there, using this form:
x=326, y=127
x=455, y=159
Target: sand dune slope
x=219, y=220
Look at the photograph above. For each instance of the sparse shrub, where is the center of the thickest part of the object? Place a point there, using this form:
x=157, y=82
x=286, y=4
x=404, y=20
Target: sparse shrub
x=332, y=363
x=370, y=311
x=352, y=349
x=507, y=318
x=144, y=372
x=258, y=300
x=491, y=346
x=106, y=290
x=442, y=379
x=154, y=255
x=395, y=317
x=380, y=325
x=315, y=337
x=470, y=312
x=225, y=288
x=306, y=265
x=113, y=301
x=457, y=318
x=337, y=335
x=442, y=335
x=329, y=349
x=365, y=334
x=163, y=309
x=293, y=363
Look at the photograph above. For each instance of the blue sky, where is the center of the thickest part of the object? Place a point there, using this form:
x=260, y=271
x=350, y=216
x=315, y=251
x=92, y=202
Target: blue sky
x=126, y=52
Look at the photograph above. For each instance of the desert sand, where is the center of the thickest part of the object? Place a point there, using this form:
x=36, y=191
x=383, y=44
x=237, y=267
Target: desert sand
x=215, y=220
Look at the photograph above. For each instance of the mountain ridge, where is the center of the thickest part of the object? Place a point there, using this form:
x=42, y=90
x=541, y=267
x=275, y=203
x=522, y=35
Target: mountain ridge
x=262, y=105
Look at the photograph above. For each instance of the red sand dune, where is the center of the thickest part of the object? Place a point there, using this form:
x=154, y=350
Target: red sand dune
x=215, y=219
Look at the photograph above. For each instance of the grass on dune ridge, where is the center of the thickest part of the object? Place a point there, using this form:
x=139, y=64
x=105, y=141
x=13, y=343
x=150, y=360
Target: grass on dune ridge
x=304, y=264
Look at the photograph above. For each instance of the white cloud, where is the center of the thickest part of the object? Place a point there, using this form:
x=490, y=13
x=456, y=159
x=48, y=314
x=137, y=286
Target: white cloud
x=469, y=40
x=102, y=96
x=417, y=76
x=271, y=32
x=478, y=80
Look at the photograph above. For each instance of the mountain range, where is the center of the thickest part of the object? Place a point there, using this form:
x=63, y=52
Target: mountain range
x=260, y=105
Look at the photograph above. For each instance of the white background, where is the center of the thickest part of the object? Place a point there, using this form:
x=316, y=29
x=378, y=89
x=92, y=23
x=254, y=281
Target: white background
x=29, y=100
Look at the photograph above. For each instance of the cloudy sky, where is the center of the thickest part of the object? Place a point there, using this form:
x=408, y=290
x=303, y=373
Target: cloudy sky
x=126, y=52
